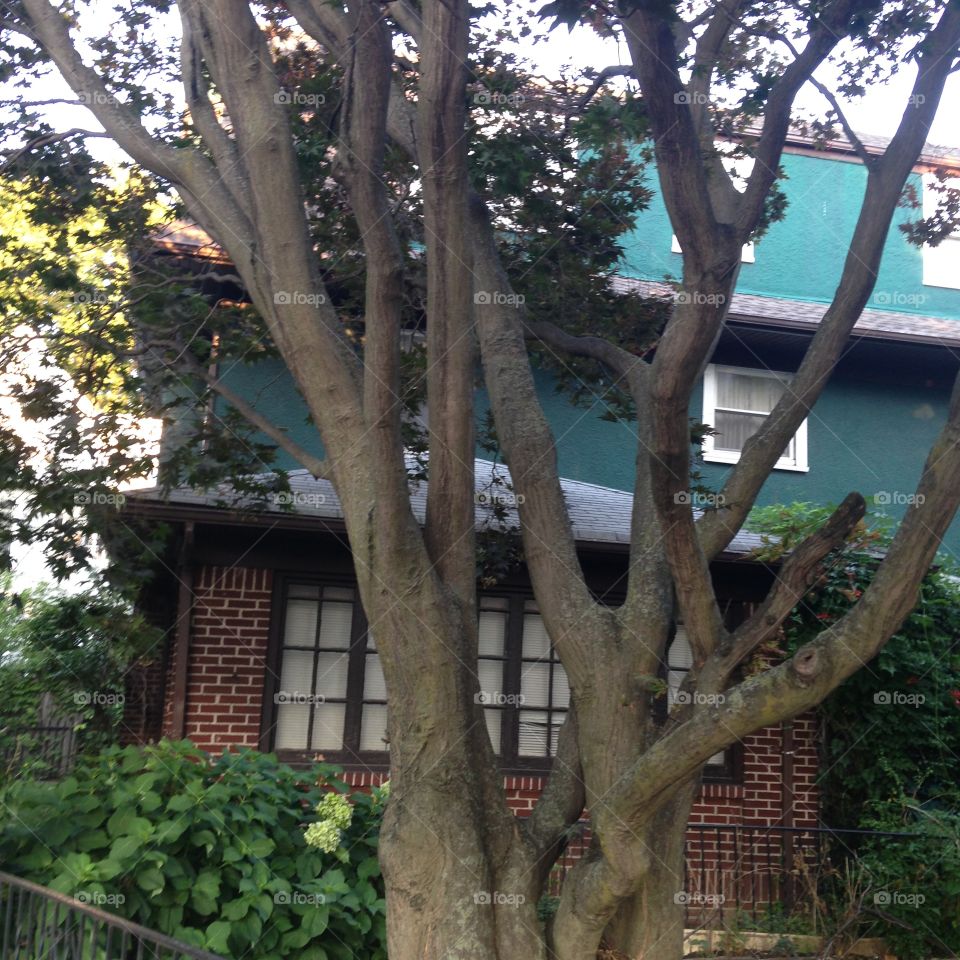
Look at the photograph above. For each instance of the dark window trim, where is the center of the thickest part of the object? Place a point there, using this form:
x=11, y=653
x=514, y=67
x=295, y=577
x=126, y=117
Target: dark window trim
x=379, y=761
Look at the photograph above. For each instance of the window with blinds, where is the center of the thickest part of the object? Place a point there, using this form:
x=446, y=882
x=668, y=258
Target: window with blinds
x=330, y=694
x=736, y=401
x=311, y=697
x=544, y=692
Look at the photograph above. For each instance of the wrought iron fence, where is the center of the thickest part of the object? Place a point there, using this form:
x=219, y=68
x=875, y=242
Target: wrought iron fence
x=746, y=869
x=40, y=924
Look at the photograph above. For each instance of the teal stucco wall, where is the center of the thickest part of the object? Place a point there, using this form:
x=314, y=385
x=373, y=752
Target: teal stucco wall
x=801, y=256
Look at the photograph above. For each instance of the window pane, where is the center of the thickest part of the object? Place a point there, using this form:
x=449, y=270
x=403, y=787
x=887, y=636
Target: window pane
x=373, y=728
x=734, y=429
x=533, y=734
x=490, y=675
x=561, y=688
x=304, y=591
x=300, y=626
x=535, y=684
x=680, y=656
x=536, y=643
x=493, y=718
x=335, y=622
x=332, y=675
x=374, y=686
x=292, y=720
x=743, y=392
x=492, y=628
x=296, y=674
x=338, y=593
x=328, y=727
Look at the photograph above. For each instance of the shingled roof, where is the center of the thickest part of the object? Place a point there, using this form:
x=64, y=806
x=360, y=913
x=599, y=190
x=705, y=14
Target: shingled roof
x=598, y=515
x=806, y=315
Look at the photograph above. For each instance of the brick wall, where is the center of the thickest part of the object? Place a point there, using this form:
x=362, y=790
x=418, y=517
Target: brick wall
x=230, y=629
x=229, y=636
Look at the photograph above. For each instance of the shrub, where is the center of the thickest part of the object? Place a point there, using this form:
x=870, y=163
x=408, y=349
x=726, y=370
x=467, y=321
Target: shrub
x=208, y=850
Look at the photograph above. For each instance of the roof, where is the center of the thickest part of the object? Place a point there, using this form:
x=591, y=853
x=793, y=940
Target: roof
x=806, y=315
x=598, y=515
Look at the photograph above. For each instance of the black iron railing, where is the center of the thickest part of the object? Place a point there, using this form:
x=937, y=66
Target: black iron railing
x=40, y=924
x=734, y=870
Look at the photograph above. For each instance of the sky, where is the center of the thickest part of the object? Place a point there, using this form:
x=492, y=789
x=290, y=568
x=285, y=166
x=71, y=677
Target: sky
x=877, y=113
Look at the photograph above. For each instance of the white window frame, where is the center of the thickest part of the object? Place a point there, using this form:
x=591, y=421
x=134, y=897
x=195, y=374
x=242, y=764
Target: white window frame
x=799, y=462
x=941, y=264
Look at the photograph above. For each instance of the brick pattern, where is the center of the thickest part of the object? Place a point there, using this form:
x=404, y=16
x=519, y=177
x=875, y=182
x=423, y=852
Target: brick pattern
x=228, y=649
x=229, y=633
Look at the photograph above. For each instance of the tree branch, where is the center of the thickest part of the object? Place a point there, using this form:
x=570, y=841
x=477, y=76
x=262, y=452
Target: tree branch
x=616, y=70
x=885, y=180
x=616, y=359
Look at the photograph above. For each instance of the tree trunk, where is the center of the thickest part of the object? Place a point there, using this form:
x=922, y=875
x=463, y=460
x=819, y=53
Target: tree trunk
x=649, y=925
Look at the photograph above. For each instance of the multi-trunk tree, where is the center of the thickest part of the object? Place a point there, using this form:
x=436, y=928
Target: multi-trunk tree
x=366, y=128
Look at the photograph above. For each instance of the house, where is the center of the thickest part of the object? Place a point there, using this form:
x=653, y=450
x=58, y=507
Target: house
x=267, y=641
x=269, y=649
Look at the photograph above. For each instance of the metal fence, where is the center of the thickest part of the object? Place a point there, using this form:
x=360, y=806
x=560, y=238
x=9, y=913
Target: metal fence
x=736, y=869
x=40, y=924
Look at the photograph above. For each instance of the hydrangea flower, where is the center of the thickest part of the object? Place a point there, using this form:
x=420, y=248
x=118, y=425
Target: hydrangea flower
x=335, y=807
x=324, y=835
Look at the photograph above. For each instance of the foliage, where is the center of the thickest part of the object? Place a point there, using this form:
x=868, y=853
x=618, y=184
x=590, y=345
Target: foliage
x=208, y=850
x=891, y=739
x=893, y=728
x=915, y=880
x=71, y=652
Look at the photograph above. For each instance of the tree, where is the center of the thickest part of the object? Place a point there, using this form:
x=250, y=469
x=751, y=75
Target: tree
x=241, y=167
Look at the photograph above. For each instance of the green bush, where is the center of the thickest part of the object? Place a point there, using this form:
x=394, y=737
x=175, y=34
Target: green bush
x=74, y=649
x=914, y=882
x=208, y=850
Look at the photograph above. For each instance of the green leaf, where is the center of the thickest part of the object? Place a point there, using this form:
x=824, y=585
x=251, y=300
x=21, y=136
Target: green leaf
x=217, y=935
x=151, y=880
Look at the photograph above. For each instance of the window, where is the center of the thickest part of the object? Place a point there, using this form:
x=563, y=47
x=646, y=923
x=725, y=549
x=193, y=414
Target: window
x=735, y=403
x=311, y=700
x=328, y=694
x=679, y=662
x=941, y=264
